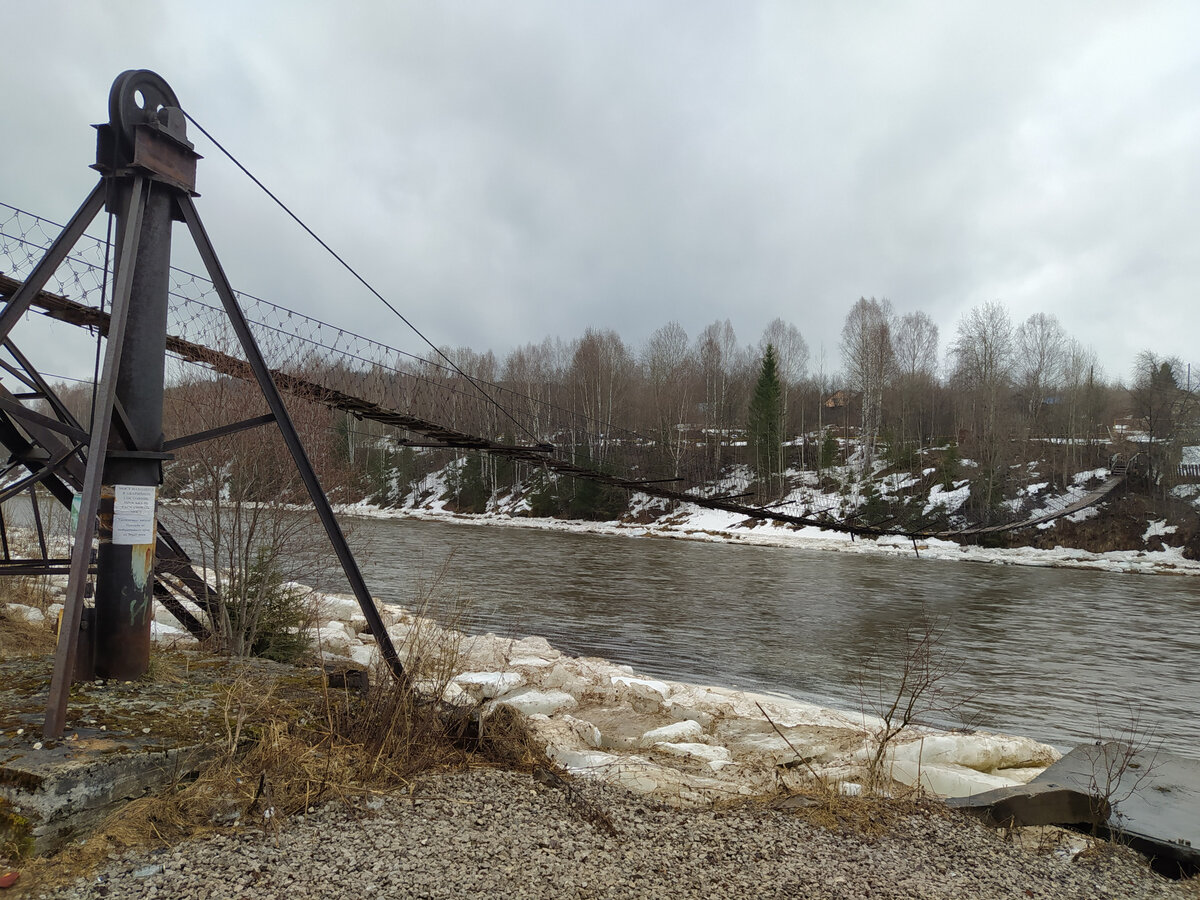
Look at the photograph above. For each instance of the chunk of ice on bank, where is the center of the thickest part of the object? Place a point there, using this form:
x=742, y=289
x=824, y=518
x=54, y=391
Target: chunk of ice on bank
x=365, y=655
x=486, y=685
x=674, y=733
x=338, y=606
x=533, y=702
x=580, y=761
x=535, y=646
x=30, y=614
x=161, y=633
x=335, y=638
x=586, y=731
x=716, y=757
x=531, y=662
x=432, y=688
x=647, y=688
x=704, y=704
x=947, y=780
x=980, y=751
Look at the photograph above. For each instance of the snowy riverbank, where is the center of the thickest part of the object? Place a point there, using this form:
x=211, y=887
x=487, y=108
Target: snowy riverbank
x=696, y=524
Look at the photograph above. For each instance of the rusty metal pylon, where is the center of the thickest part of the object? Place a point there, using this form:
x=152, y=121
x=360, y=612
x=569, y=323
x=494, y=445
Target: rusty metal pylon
x=147, y=169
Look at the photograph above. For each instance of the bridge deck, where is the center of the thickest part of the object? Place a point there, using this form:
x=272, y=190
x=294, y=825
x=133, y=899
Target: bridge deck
x=1089, y=499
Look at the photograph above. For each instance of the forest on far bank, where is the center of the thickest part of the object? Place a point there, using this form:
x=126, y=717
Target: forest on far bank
x=1000, y=405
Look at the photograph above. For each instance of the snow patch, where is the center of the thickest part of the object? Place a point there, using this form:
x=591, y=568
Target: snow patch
x=951, y=500
x=1159, y=529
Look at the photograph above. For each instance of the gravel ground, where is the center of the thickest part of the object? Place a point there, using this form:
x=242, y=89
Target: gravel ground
x=502, y=834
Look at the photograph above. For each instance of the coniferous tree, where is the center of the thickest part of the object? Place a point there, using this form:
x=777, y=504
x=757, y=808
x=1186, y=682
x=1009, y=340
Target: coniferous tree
x=765, y=426
x=829, y=450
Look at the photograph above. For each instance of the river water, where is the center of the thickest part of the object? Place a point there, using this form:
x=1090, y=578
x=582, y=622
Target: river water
x=1061, y=655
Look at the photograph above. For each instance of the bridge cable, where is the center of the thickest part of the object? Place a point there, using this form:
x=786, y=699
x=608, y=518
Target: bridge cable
x=349, y=268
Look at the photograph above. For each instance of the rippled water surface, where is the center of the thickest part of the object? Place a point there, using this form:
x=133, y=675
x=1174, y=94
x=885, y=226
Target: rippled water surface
x=1051, y=653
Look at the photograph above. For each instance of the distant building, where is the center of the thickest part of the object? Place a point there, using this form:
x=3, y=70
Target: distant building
x=842, y=399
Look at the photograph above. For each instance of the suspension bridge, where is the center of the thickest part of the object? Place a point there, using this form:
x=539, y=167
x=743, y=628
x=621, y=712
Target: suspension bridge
x=124, y=292
x=429, y=405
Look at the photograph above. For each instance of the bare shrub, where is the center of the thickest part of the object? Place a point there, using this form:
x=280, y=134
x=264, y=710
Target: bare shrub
x=241, y=508
x=1122, y=765
x=911, y=690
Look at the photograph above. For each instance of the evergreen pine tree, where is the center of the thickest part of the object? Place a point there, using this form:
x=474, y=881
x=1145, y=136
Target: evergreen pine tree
x=765, y=426
x=829, y=449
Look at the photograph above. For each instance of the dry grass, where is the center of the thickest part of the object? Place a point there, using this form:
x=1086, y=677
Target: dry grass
x=18, y=637
x=824, y=805
x=292, y=744
x=21, y=638
x=288, y=742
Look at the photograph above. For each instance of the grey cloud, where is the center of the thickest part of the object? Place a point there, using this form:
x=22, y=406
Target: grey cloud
x=505, y=171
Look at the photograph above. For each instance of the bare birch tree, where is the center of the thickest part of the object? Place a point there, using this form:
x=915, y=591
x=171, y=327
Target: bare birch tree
x=869, y=360
x=717, y=354
x=916, y=347
x=668, y=368
x=983, y=367
x=1041, y=356
x=600, y=369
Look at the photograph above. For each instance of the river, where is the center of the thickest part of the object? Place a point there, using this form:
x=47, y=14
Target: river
x=1061, y=655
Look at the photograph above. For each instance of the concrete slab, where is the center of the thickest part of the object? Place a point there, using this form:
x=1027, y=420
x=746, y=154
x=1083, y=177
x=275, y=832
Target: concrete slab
x=1155, y=798
x=1034, y=804
x=54, y=794
x=122, y=741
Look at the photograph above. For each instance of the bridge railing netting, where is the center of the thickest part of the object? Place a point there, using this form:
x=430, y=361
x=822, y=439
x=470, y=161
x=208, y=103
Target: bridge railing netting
x=574, y=417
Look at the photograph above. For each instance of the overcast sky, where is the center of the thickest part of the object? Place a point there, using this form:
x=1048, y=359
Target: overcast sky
x=504, y=171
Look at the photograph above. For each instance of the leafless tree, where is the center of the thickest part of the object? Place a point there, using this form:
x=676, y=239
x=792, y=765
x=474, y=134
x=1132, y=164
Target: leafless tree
x=869, y=361
x=983, y=367
x=909, y=690
x=1082, y=403
x=668, y=367
x=239, y=503
x=535, y=373
x=600, y=371
x=1041, y=348
x=1123, y=762
x=915, y=342
x=722, y=366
